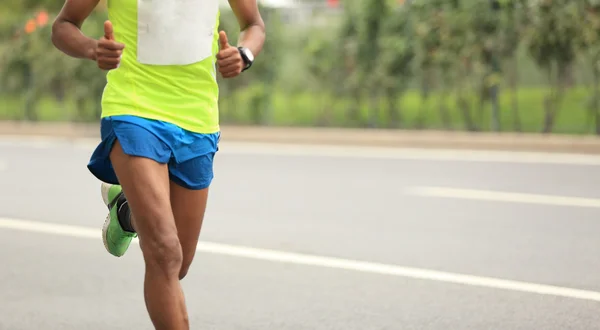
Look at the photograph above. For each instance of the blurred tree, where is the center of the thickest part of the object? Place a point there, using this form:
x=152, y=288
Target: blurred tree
x=33, y=67
x=373, y=14
x=348, y=40
x=394, y=68
x=590, y=50
x=427, y=20
x=262, y=76
x=555, y=30
x=487, y=30
x=513, y=21
x=454, y=49
x=29, y=66
x=322, y=54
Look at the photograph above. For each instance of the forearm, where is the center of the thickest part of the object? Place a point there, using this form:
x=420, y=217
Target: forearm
x=69, y=39
x=253, y=38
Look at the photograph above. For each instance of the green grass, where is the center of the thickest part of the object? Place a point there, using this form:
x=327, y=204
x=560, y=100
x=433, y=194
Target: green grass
x=47, y=109
x=306, y=110
x=309, y=109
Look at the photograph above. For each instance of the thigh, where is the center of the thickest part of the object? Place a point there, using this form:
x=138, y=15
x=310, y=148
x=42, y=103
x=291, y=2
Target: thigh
x=145, y=182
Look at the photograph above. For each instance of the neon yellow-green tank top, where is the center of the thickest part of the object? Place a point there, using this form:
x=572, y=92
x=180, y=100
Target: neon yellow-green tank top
x=168, y=67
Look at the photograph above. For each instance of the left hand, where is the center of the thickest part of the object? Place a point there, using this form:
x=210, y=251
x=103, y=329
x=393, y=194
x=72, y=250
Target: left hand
x=229, y=59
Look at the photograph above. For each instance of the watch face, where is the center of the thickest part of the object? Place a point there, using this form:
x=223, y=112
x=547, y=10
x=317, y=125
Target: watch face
x=248, y=54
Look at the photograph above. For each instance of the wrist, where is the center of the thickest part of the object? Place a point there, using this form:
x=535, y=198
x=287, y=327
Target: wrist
x=90, y=53
x=247, y=57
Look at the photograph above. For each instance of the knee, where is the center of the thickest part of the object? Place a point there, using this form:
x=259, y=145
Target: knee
x=164, y=254
x=188, y=257
x=183, y=271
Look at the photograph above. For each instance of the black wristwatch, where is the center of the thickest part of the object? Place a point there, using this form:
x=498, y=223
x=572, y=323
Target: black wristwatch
x=247, y=56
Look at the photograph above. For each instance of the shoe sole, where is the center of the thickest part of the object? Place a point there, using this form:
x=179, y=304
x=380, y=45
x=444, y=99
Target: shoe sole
x=104, y=230
x=104, y=189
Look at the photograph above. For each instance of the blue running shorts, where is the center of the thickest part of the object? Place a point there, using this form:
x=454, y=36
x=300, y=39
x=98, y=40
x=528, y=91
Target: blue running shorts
x=189, y=155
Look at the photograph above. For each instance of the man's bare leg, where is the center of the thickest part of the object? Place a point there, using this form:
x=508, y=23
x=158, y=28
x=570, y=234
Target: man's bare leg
x=188, y=208
x=146, y=185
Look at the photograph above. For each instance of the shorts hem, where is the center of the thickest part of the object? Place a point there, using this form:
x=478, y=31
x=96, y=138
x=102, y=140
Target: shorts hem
x=185, y=185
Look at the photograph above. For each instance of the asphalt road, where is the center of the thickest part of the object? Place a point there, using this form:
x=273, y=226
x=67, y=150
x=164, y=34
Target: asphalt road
x=396, y=240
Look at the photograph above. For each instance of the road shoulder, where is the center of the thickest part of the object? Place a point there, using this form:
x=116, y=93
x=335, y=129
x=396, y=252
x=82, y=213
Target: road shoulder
x=353, y=137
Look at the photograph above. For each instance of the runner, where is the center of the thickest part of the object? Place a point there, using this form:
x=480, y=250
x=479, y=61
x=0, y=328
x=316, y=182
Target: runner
x=159, y=126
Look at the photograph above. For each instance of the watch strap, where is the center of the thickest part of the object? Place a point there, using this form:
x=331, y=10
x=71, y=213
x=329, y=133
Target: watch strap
x=245, y=58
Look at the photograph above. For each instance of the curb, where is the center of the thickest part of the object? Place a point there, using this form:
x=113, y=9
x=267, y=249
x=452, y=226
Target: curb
x=416, y=139
x=349, y=137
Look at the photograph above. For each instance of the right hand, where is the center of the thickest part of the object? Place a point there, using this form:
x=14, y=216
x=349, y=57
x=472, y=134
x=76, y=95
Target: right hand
x=108, y=51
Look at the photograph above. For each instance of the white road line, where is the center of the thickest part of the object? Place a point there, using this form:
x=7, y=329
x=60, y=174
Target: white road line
x=510, y=197
x=303, y=150
x=3, y=166
x=326, y=262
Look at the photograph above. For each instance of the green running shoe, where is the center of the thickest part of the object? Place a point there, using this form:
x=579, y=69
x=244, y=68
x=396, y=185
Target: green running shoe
x=116, y=239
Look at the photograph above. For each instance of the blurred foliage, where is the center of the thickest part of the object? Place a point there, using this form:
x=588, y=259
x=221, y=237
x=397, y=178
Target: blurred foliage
x=511, y=65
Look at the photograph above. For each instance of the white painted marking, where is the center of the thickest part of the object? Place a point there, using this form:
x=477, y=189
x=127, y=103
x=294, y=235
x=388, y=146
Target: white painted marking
x=360, y=152
x=510, y=197
x=326, y=262
x=3, y=166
